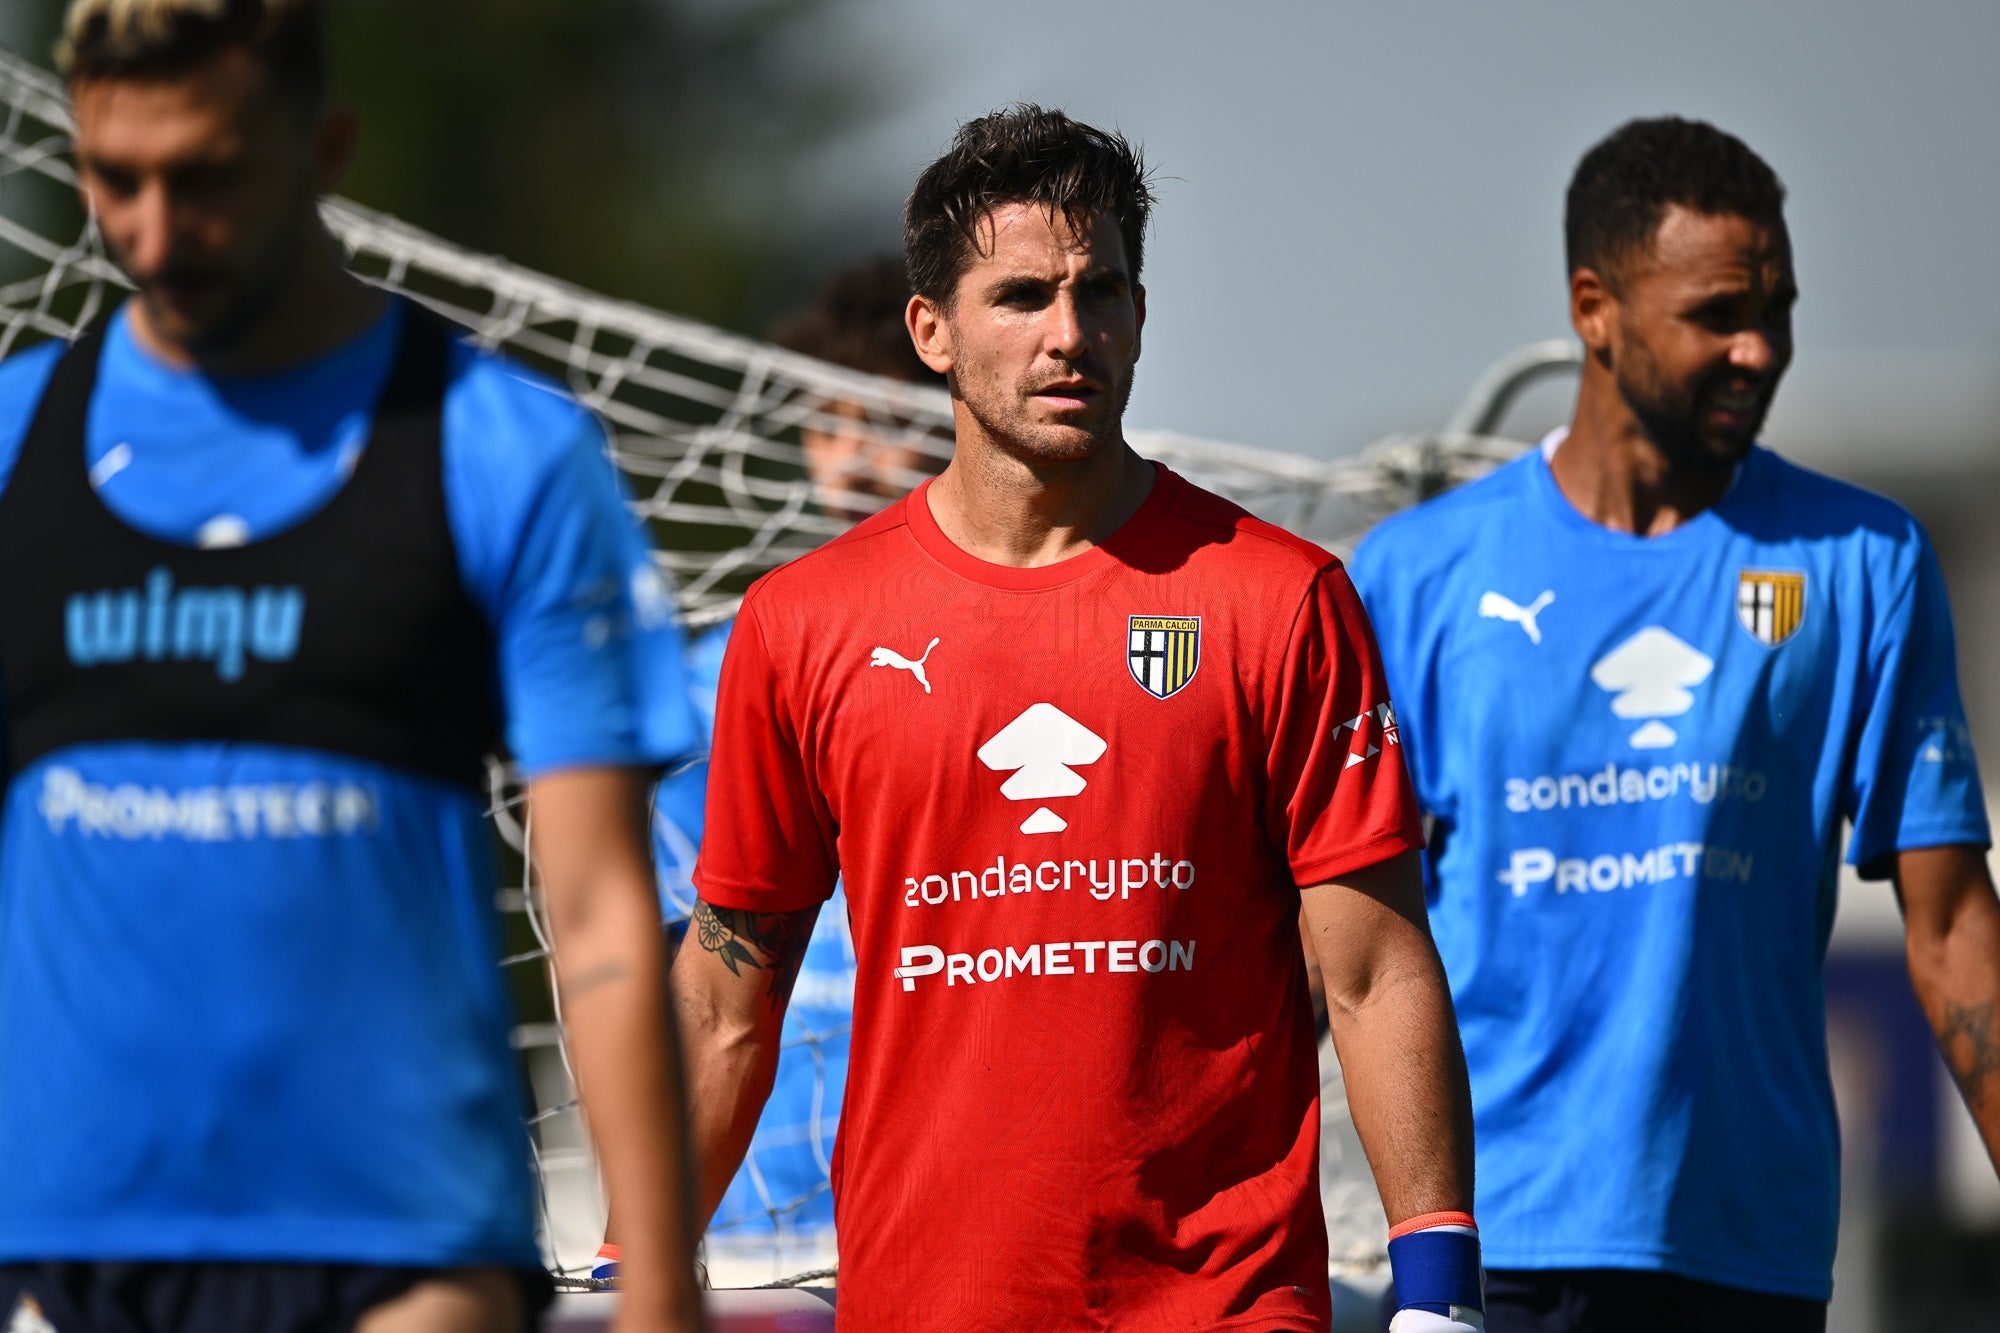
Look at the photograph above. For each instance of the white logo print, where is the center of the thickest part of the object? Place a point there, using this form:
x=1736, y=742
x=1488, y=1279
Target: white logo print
x=1651, y=673
x=889, y=657
x=1492, y=606
x=652, y=596
x=1384, y=718
x=1040, y=745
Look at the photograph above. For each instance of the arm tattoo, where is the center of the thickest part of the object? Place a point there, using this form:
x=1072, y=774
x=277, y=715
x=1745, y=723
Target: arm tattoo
x=1970, y=1040
x=774, y=942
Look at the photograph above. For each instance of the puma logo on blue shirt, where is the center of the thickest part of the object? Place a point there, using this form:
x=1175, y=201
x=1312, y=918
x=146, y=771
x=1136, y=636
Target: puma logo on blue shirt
x=159, y=622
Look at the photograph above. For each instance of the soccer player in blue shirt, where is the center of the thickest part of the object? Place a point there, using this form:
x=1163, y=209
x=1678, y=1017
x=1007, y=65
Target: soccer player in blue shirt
x=1646, y=674
x=284, y=556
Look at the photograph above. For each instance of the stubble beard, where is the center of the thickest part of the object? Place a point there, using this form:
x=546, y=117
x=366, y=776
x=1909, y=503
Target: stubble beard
x=1669, y=414
x=249, y=294
x=1048, y=448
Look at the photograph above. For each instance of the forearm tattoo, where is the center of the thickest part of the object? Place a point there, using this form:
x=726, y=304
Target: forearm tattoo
x=1969, y=1036
x=773, y=942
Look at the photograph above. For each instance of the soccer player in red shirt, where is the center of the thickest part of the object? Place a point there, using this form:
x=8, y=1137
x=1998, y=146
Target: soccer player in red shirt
x=1081, y=738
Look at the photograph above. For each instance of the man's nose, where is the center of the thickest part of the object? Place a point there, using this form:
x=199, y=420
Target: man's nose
x=149, y=230
x=1065, y=335
x=1753, y=350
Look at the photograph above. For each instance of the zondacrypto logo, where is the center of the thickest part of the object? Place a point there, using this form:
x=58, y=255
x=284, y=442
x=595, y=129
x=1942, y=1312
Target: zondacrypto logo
x=1103, y=877
x=1611, y=785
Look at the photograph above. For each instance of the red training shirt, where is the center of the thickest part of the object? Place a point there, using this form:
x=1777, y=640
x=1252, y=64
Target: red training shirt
x=1073, y=806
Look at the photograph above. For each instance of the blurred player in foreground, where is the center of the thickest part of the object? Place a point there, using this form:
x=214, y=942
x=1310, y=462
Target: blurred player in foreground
x=284, y=555
x=1075, y=733
x=780, y=1204
x=1646, y=672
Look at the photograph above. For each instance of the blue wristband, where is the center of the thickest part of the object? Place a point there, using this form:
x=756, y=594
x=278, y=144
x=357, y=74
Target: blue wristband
x=1436, y=1267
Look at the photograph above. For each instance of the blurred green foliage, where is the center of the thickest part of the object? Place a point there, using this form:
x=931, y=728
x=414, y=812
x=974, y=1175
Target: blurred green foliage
x=638, y=147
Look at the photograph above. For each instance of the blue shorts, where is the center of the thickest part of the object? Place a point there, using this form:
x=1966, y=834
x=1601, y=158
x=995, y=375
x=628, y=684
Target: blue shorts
x=203, y=1297
x=1618, y=1300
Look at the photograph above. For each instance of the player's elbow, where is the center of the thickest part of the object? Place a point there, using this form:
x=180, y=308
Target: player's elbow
x=1946, y=933
x=715, y=1027
x=606, y=910
x=1361, y=992
x=1948, y=901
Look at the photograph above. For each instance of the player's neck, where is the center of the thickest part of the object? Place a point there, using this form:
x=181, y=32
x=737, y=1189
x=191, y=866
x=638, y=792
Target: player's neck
x=997, y=508
x=321, y=307
x=1615, y=476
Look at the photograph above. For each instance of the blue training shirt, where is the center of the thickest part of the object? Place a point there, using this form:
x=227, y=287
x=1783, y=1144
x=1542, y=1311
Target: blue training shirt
x=1639, y=754
x=249, y=1000
x=784, y=1187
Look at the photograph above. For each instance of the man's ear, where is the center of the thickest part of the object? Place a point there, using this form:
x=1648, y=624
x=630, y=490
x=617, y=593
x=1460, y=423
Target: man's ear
x=930, y=333
x=1593, y=310
x=335, y=139
x=1138, y=319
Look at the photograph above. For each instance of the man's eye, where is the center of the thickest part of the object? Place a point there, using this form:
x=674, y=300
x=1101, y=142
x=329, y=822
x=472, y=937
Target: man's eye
x=1720, y=318
x=205, y=180
x=119, y=184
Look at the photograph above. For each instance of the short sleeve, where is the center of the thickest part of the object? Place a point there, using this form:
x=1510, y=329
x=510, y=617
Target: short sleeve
x=1915, y=781
x=590, y=656
x=1388, y=603
x=1339, y=797
x=24, y=377
x=769, y=840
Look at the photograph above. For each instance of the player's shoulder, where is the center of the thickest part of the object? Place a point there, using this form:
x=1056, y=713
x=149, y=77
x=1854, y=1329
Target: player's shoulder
x=501, y=415
x=1237, y=543
x=24, y=375
x=1808, y=504
x=23, y=378
x=513, y=441
x=1460, y=513
x=855, y=554
x=1430, y=540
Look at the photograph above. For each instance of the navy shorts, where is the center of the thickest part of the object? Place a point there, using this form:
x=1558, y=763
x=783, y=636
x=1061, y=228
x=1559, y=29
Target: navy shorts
x=153, y=1297
x=1618, y=1300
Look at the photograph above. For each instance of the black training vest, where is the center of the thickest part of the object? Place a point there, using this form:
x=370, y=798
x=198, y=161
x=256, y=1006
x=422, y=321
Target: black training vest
x=350, y=631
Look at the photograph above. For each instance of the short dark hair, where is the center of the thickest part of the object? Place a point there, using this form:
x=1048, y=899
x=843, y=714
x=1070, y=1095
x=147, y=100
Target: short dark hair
x=1023, y=155
x=159, y=38
x=1624, y=186
x=855, y=319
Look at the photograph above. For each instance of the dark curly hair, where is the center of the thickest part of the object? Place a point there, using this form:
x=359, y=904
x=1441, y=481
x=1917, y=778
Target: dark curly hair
x=1023, y=155
x=855, y=319
x=1623, y=187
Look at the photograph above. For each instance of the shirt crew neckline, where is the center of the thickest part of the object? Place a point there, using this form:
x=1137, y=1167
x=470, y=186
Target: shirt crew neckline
x=1114, y=549
x=1549, y=495
x=135, y=363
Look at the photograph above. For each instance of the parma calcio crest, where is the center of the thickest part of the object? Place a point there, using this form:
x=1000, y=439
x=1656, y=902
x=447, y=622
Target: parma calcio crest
x=1164, y=652
x=1771, y=603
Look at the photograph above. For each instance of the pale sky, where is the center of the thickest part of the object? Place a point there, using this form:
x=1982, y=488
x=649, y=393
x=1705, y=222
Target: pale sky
x=1361, y=205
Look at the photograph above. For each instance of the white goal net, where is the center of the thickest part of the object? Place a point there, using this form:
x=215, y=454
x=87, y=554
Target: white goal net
x=704, y=425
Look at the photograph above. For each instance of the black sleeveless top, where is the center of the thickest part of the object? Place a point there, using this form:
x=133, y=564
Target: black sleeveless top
x=350, y=631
